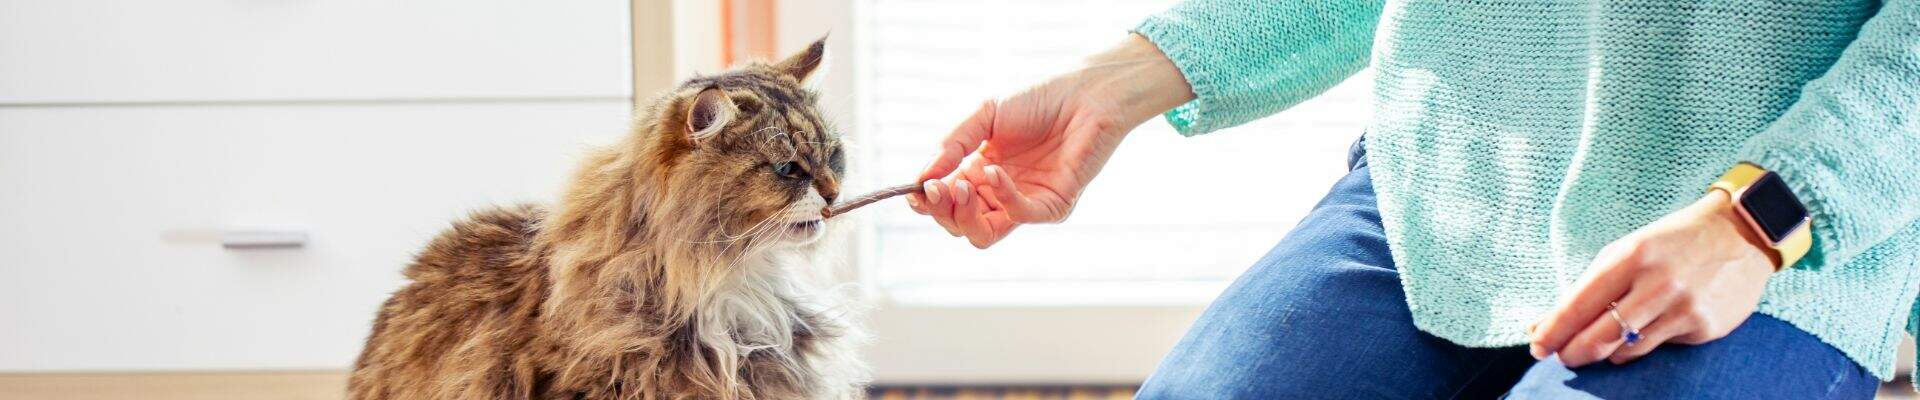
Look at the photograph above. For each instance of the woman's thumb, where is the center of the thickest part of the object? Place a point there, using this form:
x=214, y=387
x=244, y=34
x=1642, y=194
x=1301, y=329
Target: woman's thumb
x=964, y=139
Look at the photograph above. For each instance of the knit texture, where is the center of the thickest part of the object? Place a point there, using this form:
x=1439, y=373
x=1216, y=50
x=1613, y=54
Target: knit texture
x=1512, y=140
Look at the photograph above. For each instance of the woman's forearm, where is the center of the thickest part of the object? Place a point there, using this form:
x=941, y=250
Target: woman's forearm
x=1135, y=79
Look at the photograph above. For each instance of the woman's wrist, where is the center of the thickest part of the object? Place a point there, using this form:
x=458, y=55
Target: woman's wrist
x=1719, y=209
x=1134, y=81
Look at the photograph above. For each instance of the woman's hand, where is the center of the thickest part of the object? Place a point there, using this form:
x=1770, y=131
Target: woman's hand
x=1026, y=159
x=1690, y=277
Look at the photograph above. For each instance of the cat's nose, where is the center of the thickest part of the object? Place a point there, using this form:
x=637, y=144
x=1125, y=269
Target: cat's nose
x=829, y=194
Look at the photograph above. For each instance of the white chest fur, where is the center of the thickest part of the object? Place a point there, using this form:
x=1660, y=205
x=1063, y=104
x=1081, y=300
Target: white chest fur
x=761, y=306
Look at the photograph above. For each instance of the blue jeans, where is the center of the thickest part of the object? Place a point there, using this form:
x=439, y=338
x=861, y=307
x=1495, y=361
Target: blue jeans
x=1323, y=316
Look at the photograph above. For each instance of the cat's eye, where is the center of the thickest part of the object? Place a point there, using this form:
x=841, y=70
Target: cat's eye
x=790, y=170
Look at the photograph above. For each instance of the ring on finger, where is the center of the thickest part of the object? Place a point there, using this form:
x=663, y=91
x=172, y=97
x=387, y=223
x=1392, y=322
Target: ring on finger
x=1626, y=331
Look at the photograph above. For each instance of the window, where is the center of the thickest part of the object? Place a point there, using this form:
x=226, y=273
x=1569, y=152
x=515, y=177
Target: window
x=1167, y=210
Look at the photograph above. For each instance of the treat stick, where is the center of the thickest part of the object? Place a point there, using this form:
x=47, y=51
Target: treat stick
x=868, y=198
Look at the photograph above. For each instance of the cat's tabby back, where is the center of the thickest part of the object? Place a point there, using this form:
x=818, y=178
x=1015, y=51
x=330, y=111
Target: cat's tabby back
x=658, y=275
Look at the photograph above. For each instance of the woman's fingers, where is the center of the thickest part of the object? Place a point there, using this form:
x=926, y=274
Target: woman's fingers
x=963, y=208
x=1000, y=225
x=1663, y=328
x=970, y=217
x=1611, y=276
x=1603, y=335
x=1019, y=207
x=940, y=204
x=917, y=202
x=960, y=143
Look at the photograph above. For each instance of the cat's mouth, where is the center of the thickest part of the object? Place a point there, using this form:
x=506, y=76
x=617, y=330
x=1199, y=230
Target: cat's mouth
x=808, y=225
x=806, y=231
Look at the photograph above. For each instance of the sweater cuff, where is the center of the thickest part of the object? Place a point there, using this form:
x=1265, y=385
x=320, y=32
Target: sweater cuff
x=1192, y=118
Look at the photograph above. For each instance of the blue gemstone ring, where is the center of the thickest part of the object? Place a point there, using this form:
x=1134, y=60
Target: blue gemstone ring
x=1626, y=331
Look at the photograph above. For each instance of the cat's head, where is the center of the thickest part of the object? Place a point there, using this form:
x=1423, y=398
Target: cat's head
x=749, y=153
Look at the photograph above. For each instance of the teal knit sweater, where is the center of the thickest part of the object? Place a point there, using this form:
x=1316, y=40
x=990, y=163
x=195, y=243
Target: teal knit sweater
x=1511, y=140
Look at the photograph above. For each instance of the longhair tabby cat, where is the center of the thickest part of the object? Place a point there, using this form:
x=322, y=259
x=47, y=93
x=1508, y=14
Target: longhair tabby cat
x=663, y=273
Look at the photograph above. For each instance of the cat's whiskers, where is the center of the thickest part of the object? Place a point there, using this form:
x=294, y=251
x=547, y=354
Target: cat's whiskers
x=727, y=237
x=778, y=133
x=769, y=138
x=793, y=144
x=749, y=232
x=765, y=225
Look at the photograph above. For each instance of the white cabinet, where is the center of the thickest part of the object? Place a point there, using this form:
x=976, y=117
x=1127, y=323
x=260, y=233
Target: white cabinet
x=134, y=133
x=137, y=51
x=109, y=255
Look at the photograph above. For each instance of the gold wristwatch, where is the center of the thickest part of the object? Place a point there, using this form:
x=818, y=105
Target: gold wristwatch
x=1770, y=209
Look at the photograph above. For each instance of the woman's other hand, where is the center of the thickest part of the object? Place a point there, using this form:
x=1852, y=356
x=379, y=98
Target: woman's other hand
x=1689, y=278
x=1026, y=159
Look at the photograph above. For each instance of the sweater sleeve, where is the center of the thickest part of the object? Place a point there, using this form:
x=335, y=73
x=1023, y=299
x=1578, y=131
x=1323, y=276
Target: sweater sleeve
x=1850, y=145
x=1247, y=59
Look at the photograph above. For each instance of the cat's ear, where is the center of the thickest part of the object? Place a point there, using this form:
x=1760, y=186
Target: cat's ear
x=801, y=65
x=708, y=113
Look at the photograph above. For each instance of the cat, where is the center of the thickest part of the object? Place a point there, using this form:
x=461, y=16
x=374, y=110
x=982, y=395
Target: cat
x=666, y=271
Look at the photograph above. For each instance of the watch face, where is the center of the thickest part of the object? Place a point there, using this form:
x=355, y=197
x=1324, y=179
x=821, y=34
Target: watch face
x=1773, y=206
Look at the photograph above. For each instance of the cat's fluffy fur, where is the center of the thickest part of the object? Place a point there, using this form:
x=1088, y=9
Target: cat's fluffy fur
x=665, y=272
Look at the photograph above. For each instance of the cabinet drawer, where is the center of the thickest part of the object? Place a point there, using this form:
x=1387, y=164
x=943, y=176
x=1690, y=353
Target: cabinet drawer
x=81, y=51
x=109, y=221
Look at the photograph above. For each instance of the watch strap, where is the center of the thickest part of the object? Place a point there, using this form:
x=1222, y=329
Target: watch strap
x=1736, y=180
x=1795, y=246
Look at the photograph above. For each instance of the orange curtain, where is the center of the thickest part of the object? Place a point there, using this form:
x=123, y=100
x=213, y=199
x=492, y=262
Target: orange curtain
x=746, y=30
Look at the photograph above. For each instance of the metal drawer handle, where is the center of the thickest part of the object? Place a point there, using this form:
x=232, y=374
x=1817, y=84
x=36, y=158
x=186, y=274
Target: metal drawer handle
x=234, y=239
